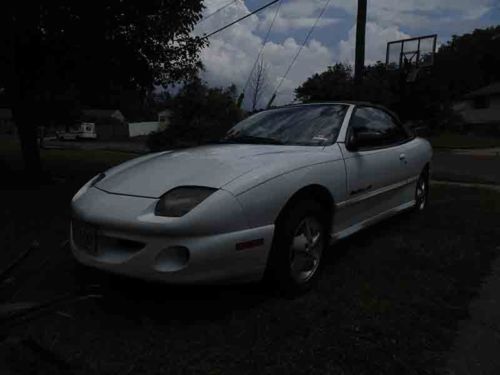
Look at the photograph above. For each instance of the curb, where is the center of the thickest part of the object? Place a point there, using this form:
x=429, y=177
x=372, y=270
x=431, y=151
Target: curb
x=467, y=185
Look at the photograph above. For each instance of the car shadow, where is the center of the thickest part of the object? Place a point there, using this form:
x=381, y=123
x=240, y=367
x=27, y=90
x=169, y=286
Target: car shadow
x=134, y=299
x=369, y=236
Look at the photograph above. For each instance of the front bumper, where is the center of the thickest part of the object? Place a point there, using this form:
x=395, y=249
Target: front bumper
x=180, y=256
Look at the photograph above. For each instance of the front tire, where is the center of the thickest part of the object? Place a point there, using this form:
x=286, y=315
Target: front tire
x=301, y=238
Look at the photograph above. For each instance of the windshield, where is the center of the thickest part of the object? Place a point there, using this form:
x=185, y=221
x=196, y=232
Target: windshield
x=311, y=125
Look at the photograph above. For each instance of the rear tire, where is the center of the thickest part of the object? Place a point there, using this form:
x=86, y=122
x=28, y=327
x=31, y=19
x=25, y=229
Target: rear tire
x=300, y=240
x=422, y=191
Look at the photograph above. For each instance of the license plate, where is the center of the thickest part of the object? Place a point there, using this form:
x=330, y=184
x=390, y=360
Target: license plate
x=85, y=237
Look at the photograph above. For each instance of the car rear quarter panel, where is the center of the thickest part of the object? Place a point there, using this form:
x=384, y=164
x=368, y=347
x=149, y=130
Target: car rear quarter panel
x=419, y=154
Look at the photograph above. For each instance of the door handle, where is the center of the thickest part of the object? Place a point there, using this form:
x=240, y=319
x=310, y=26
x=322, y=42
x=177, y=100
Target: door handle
x=402, y=157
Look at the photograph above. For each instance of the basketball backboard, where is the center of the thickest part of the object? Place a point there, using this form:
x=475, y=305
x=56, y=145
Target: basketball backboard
x=412, y=53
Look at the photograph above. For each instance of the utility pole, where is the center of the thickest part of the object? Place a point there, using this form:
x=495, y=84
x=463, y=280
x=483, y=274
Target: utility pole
x=360, y=44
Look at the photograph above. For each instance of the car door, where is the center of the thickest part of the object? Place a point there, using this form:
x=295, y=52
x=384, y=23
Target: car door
x=376, y=172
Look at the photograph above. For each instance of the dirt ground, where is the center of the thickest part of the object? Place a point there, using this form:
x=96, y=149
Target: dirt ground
x=389, y=302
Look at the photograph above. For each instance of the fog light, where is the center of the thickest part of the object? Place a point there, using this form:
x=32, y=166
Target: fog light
x=172, y=259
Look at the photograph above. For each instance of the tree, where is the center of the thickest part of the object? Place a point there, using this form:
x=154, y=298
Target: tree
x=467, y=63
x=463, y=64
x=89, y=52
x=336, y=83
x=259, y=83
x=199, y=114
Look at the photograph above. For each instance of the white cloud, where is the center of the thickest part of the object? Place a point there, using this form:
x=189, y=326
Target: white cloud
x=232, y=53
x=419, y=14
x=283, y=24
x=387, y=17
x=377, y=38
x=297, y=14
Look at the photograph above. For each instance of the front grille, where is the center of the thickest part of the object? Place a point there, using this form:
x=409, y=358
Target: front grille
x=118, y=247
x=84, y=236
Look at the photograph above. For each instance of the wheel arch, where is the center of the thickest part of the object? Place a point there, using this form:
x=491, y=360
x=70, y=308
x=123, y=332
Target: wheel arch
x=427, y=170
x=315, y=192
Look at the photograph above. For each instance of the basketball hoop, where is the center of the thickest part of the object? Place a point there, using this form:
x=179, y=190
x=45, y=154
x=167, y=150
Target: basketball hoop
x=411, y=55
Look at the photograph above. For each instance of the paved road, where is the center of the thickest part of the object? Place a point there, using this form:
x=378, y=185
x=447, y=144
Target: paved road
x=478, y=166
x=479, y=152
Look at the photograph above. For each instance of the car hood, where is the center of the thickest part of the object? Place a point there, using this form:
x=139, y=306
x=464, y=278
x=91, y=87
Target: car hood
x=211, y=166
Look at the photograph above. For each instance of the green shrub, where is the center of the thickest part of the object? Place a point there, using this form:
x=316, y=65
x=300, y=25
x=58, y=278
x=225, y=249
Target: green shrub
x=199, y=115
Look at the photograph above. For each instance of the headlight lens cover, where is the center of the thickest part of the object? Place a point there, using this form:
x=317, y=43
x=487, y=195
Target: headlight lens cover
x=94, y=180
x=179, y=201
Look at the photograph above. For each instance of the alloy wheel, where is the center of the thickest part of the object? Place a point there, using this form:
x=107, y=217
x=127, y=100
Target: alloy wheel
x=421, y=193
x=306, y=249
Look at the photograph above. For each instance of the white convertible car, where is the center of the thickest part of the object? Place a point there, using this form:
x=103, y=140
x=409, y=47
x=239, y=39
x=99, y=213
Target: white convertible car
x=263, y=203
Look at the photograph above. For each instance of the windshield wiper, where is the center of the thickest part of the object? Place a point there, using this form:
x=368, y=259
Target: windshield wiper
x=248, y=139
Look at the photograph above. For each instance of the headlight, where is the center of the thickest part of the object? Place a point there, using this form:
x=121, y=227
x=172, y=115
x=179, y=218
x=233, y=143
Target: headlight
x=96, y=179
x=88, y=185
x=180, y=201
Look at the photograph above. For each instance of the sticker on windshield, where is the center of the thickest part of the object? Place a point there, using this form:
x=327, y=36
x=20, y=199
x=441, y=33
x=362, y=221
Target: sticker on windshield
x=320, y=138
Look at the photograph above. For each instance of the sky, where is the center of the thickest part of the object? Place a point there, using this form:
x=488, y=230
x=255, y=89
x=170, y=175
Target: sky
x=232, y=53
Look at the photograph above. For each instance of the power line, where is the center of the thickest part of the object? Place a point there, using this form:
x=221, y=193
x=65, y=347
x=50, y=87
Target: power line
x=299, y=51
x=241, y=19
x=263, y=46
x=217, y=11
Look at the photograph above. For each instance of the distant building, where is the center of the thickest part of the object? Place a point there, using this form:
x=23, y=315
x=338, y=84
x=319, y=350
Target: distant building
x=164, y=118
x=481, y=108
x=7, y=125
x=110, y=124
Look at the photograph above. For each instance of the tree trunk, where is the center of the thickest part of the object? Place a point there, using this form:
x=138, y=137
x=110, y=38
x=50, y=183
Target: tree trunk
x=24, y=73
x=27, y=131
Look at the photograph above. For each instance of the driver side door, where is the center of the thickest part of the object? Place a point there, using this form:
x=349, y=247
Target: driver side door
x=377, y=171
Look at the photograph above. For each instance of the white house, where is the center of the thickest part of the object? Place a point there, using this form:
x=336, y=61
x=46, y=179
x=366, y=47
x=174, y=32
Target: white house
x=481, y=107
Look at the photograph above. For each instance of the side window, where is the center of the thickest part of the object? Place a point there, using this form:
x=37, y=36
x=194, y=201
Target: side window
x=381, y=127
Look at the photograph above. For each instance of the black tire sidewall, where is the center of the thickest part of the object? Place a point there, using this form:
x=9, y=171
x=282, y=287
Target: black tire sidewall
x=425, y=176
x=278, y=271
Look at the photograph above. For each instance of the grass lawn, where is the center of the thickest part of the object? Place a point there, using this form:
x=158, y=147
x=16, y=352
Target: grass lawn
x=10, y=152
x=95, y=156
x=389, y=302
x=456, y=140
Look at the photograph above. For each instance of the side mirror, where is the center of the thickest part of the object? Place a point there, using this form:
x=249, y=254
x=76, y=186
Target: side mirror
x=363, y=139
x=352, y=142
